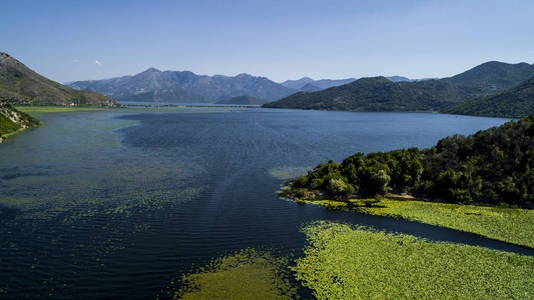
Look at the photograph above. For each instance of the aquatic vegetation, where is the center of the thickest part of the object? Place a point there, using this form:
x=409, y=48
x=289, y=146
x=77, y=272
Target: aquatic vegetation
x=247, y=274
x=346, y=262
x=512, y=225
x=12, y=201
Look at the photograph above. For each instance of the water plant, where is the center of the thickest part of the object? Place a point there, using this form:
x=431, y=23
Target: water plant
x=246, y=274
x=350, y=262
x=512, y=225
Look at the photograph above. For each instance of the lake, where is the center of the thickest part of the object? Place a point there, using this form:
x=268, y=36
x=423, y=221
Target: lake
x=119, y=203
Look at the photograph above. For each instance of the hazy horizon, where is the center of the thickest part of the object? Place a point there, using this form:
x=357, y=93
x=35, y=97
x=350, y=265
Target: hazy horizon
x=281, y=40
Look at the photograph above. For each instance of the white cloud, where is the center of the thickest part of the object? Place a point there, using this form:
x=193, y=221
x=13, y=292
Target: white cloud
x=98, y=62
x=75, y=61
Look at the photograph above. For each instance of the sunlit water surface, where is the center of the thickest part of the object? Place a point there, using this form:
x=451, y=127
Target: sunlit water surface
x=118, y=203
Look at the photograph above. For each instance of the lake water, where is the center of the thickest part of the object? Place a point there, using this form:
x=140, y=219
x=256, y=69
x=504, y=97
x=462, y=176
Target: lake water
x=118, y=203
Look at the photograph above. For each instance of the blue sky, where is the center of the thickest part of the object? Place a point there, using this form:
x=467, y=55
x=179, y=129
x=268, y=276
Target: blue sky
x=76, y=40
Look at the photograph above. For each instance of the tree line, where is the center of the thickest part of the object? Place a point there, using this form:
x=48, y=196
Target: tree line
x=492, y=166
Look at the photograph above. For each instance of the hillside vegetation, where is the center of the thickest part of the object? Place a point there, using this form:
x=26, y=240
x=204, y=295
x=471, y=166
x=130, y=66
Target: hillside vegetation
x=516, y=102
x=12, y=120
x=20, y=85
x=381, y=94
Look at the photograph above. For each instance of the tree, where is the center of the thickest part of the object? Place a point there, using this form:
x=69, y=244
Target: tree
x=340, y=189
x=379, y=182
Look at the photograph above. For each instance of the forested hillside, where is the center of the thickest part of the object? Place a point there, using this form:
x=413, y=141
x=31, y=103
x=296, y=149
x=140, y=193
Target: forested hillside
x=516, y=102
x=381, y=94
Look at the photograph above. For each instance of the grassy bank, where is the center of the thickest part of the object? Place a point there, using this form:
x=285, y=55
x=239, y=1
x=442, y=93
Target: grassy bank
x=512, y=225
x=50, y=109
x=346, y=262
x=6, y=135
x=248, y=274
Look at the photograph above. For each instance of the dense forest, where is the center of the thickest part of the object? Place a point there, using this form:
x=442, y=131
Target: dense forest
x=516, y=102
x=492, y=166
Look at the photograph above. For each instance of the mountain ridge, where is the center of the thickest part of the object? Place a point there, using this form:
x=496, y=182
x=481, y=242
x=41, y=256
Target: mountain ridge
x=21, y=85
x=184, y=86
x=381, y=94
x=516, y=102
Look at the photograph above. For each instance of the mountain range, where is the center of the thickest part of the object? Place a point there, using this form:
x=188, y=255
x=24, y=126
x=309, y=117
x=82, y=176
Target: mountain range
x=321, y=84
x=490, y=89
x=154, y=85
x=21, y=85
x=382, y=94
x=306, y=84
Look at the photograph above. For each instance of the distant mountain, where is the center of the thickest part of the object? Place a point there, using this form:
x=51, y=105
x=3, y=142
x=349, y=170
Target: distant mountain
x=12, y=120
x=402, y=78
x=398, y=78
x=300, y=84
x=19, y=84
x=242, y=99
x=373, y=94
x=516, y=102
x=184, y=86
x=381, y=94
x=306, y=84
x=309, y=87
x=493, y=76
x=297, y=84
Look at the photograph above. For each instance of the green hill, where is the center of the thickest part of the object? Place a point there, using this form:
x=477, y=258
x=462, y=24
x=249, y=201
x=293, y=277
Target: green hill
x=381, y=94
x=516, y=102
x=20, y=85
x=376, y=94
x=492, y=166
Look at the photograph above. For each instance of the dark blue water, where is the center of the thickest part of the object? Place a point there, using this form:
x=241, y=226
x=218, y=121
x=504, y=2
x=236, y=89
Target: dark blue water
x=118, y=203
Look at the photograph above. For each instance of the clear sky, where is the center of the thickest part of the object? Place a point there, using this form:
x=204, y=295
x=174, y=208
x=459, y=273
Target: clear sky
x=76, y=40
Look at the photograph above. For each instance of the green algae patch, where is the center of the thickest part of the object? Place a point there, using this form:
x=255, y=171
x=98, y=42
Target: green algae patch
x=17, y=202
x=346, y=262
x=511, y=225
x=248, y=274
